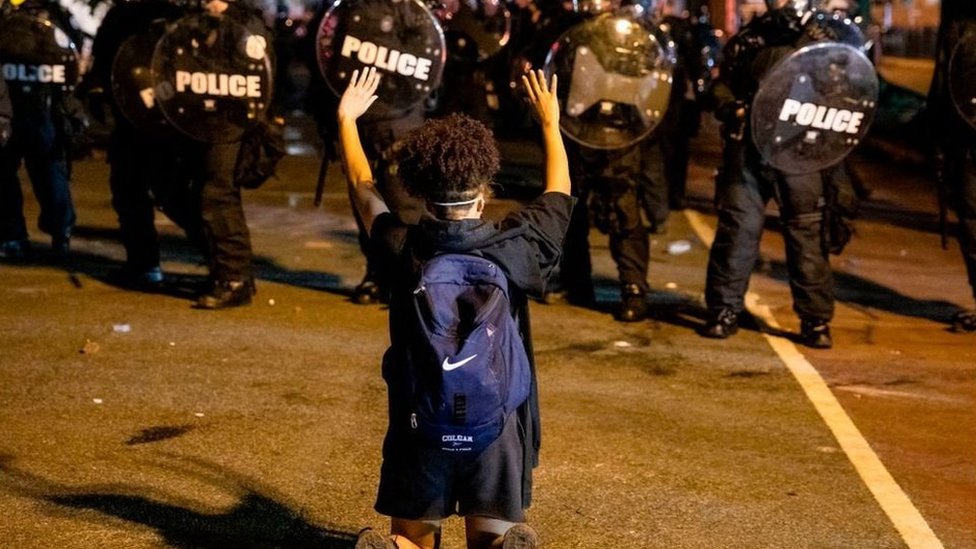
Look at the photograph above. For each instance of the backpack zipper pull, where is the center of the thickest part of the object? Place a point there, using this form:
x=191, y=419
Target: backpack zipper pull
x=413, y=420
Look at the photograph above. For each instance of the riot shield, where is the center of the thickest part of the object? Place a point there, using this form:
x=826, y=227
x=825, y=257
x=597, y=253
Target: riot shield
x=614, y=81
x=842, y=28
x=401, y=38
x=962, y=79
x=596, y=7
x=212, y=77
x=481, y=27
x=132, y=83
x=814, y=107
x=35, y=54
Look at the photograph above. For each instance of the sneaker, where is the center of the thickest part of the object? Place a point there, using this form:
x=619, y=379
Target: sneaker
x=520, y=536
x=964, y=321
x=815, y=333
x=61, y=245
x=633, y=304
x=371, y=539
x=723, y=324
x=226, y=294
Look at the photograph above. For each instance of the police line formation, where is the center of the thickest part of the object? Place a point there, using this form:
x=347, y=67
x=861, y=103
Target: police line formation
x=193, y=81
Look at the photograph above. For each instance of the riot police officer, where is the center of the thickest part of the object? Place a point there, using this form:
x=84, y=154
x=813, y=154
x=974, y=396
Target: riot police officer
x=40, y=134
x=624, y=188
x=955, y=131
x=191, y=181
x=224, y=227
x=746, y=183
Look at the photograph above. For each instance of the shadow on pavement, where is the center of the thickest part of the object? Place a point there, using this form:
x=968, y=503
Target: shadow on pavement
x=175, y=249
x=675, y=308
x=862, y=293
x=686, y=312
x=257, y=521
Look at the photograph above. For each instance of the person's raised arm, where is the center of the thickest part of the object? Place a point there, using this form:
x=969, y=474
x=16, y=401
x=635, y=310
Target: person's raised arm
x=546, y=105
x=356, y=100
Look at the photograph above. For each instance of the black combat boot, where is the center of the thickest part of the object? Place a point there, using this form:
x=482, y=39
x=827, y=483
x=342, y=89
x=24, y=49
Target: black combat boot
x=964, y=321
x=143, y=279
x=722, y=324
x=14, y=250
x=367, y=292
x=61, y=245
x=226, y=294
x=633, y=304
x=815, y=333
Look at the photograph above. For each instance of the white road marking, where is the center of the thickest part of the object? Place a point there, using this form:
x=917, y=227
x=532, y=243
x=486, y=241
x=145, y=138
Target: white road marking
x=914, y=530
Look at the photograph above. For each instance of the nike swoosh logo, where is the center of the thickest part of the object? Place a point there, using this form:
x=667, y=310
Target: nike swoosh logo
x=448, y=365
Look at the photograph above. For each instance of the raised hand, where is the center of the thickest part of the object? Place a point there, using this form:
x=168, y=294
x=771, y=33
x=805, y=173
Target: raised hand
x=542, y=98
x=546, y=106
x=359, y=95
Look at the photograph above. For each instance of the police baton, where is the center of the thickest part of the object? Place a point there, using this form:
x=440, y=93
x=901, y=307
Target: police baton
x=320, y=183
x=940, y=186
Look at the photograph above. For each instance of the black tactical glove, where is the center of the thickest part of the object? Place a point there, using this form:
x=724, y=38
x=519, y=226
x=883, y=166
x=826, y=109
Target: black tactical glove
x=76, y=116
x=732, y=115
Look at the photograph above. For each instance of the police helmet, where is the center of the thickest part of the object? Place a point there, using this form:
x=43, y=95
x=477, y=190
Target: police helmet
x=845, y=6
x=793, y=7
x=596, y=7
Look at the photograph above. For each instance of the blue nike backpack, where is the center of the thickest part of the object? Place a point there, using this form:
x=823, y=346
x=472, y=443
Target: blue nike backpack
x=467, y=364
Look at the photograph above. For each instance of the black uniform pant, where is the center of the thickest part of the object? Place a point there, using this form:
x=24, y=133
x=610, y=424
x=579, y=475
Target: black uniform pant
x=147, y=174
x=192, y=183
x=960, y=173
x=40, y=142
x=612, y=186
x=665, y=161
x=656, y=174
x=225, y=232
x=743, y=189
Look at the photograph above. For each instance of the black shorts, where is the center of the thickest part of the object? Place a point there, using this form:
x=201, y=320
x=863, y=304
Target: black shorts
x=427, y=484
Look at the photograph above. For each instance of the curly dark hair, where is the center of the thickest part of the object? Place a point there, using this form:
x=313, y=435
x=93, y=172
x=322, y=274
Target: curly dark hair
x=448, y=159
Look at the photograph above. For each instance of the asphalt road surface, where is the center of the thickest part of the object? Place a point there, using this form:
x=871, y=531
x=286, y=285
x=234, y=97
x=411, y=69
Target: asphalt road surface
x=130, y=419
